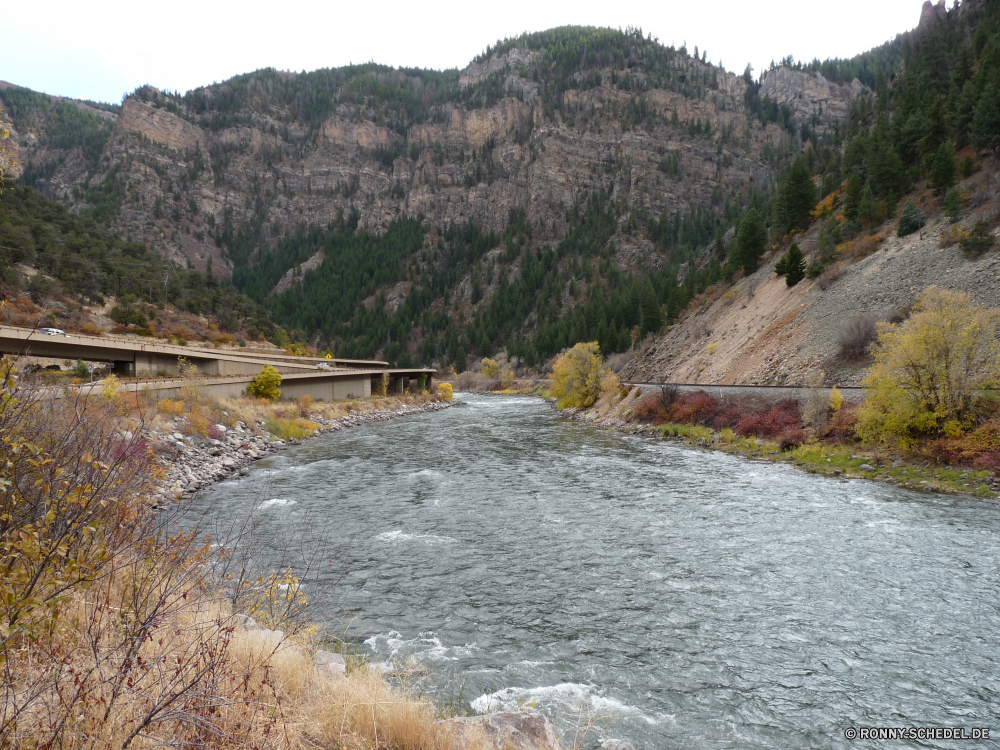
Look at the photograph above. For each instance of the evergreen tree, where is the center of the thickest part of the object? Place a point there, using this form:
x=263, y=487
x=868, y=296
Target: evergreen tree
x=749, y=243
x=953, y=205
x=943, y=170
x=795, y=265
x=869, y=211
x=652, y=318
x=986, y=123
x=798, y=196
x=852, y=198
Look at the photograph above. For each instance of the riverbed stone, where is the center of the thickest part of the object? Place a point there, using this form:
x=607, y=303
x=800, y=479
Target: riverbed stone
x=508, y=730
x=866, y=467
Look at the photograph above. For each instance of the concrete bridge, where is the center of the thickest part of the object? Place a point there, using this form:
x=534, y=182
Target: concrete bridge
x=135, y=356
x=226, y=373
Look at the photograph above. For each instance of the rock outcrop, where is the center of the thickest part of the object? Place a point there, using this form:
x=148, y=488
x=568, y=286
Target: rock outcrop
x=814, y=101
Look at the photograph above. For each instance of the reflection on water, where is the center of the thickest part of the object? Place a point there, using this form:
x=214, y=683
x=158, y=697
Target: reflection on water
x=693, y=599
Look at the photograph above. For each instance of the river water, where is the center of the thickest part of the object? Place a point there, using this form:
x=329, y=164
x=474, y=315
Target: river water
x=686, y=599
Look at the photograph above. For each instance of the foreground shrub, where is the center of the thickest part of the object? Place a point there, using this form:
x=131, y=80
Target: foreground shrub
x=446, y=392
x=577, y=376
x=265, y=385
x=930, y=371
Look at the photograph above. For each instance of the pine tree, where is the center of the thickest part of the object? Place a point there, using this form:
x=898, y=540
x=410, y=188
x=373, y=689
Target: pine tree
x=943, y=170
x=798, y=195
x=852, y=199
x=749, y=242
x=986, y=123
x=795, y=265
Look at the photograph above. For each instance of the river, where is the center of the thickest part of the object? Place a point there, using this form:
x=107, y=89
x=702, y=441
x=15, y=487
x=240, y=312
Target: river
x=687, y=599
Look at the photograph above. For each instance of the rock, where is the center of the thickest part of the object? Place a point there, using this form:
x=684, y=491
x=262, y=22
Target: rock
x=247, y=622
x=837, y=472
x=177, y=436
x=328, y=662
x=221, y=428
x=229, y=462
x=866, y=467
x=508, y=731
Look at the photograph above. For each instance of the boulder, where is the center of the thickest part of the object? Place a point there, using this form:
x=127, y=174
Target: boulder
x=866, y=467
x=248, y=622
x=328, y=662
x=508, y=731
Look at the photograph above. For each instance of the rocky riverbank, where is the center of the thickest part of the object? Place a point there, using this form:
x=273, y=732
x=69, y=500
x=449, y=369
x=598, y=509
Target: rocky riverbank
x=191, y=463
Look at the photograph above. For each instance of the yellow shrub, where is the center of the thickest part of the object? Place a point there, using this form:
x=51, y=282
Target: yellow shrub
x=489, y=367
x=445, y=391
x=507, y=377
x=836, y=400
x=290, y=429
x=930, y=370
x=265, y=385
x=577, y=376
x=726, y=435
x=172, y=406
x=712, y=347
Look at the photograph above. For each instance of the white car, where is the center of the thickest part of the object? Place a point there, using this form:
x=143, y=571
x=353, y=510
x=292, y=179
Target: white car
x=52, y=331
x=323, y=366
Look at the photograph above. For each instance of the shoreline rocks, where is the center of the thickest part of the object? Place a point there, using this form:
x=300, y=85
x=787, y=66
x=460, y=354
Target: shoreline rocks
x=191, y=463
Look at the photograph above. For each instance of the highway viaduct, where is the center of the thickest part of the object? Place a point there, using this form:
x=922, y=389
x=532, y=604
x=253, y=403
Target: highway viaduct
x=226, y=373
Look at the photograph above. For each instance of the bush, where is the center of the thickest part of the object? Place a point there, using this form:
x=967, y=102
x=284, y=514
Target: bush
x=857, y=335
x=836, y=400
x=265, y=385
x=489, y=367
x=773, y=422
x=445, y=391
x=80, y=369
x=953, y=205
x=792, y=437
x=931, y=370
x=911, y=220
x=841, y=426
x=577, y=376
x=979, y=240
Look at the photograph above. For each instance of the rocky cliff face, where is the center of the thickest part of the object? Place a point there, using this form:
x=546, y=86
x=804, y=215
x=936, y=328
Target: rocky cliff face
x=176, y=174
x=813, y=100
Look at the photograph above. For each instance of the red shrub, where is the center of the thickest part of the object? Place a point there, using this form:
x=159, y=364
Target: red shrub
x=650, y=409
x=989, y=461
x=693, y=408
x=841, y=425
x=215, y=433
x=792, y=437
x=780, y=417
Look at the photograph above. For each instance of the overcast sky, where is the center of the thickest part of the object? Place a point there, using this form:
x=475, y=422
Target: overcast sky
x=103, y=49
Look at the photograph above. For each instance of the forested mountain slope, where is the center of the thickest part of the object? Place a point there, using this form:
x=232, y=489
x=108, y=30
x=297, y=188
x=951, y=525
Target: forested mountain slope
x=909, y=202
x=573, y=184
x=552, y=190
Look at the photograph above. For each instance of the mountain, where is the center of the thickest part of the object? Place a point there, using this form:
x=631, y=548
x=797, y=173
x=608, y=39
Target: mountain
x=426, y=215
x=574, y=184
x=912, y=203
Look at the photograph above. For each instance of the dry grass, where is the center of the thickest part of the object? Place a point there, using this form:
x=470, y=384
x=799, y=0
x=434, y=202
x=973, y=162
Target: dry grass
x=116, y=631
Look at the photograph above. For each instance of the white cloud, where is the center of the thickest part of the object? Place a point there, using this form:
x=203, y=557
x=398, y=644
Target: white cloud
x=101, y=50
